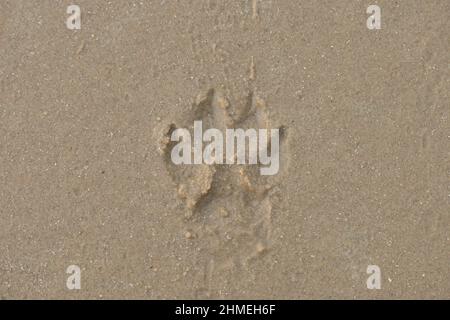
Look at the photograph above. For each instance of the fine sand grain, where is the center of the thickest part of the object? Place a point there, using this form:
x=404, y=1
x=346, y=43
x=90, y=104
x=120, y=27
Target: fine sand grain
x=85, y=151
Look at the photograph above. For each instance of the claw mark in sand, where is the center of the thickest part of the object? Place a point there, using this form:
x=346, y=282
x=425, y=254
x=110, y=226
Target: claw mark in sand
x=254, y=9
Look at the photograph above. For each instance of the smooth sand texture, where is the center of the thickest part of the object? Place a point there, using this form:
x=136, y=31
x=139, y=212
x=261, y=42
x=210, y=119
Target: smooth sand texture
x=86, y=180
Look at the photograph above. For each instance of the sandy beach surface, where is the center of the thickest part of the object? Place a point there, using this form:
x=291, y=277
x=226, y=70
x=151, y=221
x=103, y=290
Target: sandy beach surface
x=87, y=179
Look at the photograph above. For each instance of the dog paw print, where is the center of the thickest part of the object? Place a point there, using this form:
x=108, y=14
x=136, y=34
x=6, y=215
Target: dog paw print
x=228, y=207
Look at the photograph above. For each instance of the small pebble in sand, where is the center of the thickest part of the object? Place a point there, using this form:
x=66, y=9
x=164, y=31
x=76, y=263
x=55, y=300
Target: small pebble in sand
x=223, y=212
x=260, y=248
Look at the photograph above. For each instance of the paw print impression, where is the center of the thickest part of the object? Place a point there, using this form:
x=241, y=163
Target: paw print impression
x=228, y=207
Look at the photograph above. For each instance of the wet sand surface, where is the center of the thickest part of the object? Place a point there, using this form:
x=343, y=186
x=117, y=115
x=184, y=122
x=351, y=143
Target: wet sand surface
x=85, y=159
